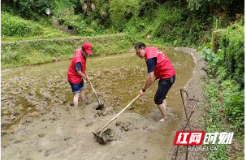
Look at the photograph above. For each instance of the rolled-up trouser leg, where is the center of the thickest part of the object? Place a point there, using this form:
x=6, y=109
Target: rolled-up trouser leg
x=163, y=87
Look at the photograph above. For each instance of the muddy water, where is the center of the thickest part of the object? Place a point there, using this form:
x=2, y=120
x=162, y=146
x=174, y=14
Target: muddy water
x=39, y=121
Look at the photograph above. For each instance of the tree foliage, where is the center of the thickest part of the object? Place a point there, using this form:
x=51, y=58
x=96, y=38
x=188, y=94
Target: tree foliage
x=18, y=27
x=34, y=9
x=178, y=22
x=122, y=10
x=117, y=13
x=232, y=48
x=197, y=4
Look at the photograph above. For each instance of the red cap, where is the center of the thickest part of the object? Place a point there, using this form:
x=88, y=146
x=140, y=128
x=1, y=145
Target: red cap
x=87, y=47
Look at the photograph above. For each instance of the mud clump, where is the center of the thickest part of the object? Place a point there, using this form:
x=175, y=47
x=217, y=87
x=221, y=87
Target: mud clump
x=118, y=123
x=131, y=108
x=106, y=111
x=144, y=100
x=26, y=120
x=100, y=107
x=31, y=92
x=105, y=136
x=41, y=135
x=99, y=114
x=81, y=118
x=4, y=132
x=67, y=138
x=126, y=126
x=89, y=124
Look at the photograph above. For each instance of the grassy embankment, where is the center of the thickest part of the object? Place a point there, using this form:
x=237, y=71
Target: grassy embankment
x=15, y=28
x=35, y=52
x=42, y=50
x=225, y=91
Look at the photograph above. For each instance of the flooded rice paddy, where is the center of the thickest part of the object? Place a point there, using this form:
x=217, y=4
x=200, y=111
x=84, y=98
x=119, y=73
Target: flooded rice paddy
x=39, y=121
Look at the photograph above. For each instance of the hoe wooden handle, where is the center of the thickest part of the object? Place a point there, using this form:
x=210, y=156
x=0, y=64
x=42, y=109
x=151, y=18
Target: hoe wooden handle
x=94, y=92
x=121, y=111
x=118, y=114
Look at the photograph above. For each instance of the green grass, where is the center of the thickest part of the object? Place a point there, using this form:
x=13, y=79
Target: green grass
x=36, y=52
x=214, y=120
x=14, y=28
x=47, y=34
x=216, y=123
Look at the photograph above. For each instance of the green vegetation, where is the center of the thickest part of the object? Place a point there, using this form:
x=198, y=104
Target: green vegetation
x=214, y=121
x=228, y=66
x=232, y=53
x=188, y=23
x=175, y=23
x=36, y=52
x=15, y=28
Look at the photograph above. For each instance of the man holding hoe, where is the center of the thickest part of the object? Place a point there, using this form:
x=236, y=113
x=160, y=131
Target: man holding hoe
x=76, y=72
x=159, y=65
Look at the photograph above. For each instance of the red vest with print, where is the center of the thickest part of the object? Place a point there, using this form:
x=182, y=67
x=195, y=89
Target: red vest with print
x=163, y=68
x=72, y=74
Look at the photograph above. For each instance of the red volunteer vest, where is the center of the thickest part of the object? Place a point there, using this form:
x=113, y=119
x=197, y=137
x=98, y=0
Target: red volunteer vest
x=72, y=74
x=163, y=68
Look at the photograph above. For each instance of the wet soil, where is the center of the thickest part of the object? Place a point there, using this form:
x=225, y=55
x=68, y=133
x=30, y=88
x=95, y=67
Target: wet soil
x=39, y=121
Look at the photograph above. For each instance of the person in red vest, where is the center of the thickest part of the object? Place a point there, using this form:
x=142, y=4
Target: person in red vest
x=76, y=72
x=159, y=66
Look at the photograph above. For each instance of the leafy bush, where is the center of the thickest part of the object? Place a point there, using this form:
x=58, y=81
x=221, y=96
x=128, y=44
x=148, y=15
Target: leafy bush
x=207, y=53
x=117, y=13
x=10, y=56
x=233, y=103
x=18, y=27
x=234, y=109
x=34, y=9
x=122, y=10
x=214, y=119
x=229, y=65
x=173, y=24
x=232, y=47
x=210, y=57
x=228, y=62
x=166, y=19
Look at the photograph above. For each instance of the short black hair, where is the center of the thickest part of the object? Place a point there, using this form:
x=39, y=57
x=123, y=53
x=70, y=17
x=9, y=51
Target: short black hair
x=140, y=45
x=83, y=48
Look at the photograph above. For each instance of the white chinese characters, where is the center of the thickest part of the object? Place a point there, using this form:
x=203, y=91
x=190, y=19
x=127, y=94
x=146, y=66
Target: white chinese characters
x=222, y=138
x=225, y=138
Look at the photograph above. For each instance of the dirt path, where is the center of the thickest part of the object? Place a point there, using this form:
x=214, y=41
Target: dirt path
x=195, y=91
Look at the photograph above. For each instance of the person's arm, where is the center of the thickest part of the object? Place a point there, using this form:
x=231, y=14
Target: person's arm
x=148, y=81
x=84, y=76
x=151, y=63
x=79, y=68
